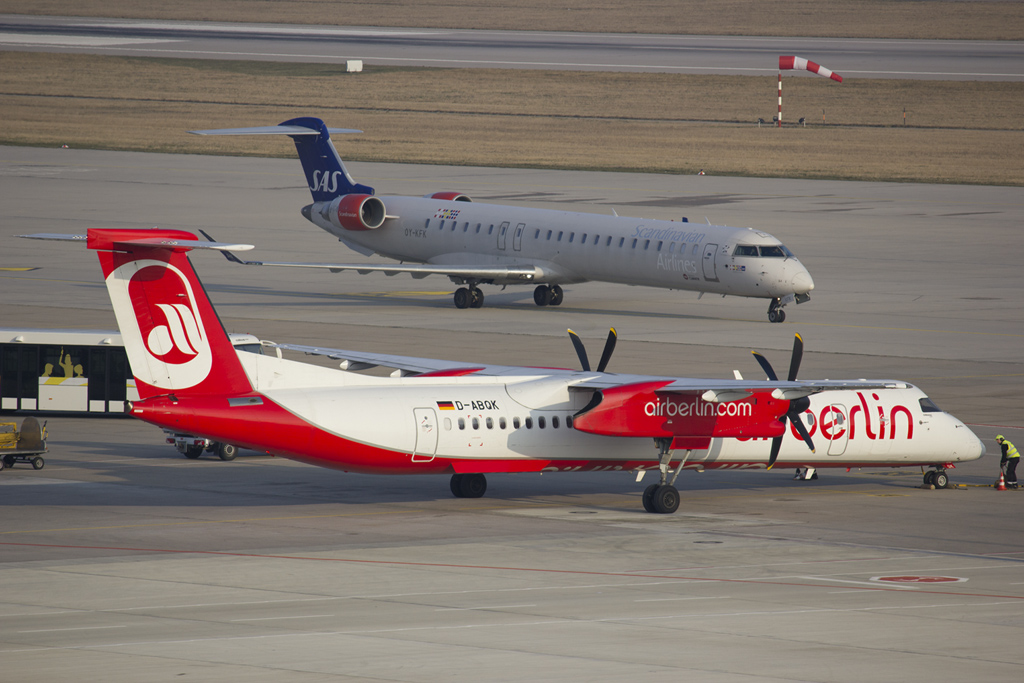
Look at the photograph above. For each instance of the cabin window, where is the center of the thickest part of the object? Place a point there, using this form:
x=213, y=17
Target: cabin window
x=426, y=226
x=536, y=235
x=744, y=250
x=476, y=423
x=583, y=240
x=549, y=234
x=928, y=406
x=554, y=422
x=529, y=423
x=447, y=424
x=647, y=243
x=772, y=252
x=465, y=227
x=560, y=233
x=572, y=236
x=462, y=423
x=597, y=238
x=659, y=245
x=515, y=423
x=635, y=240
x=622, y=241
x=489, y=422
x=440, y=225
x=501, y=423
x=540, y=422
x=478, y=228
x=490, y=230
x=671, y=247
x=609, y=242
x=568, y=421
x=455, y=224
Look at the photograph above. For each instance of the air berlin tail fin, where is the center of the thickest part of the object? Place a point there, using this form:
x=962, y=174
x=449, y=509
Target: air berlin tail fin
x=174, y=339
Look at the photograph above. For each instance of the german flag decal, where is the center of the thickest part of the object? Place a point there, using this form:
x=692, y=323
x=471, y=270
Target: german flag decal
x=445, y=405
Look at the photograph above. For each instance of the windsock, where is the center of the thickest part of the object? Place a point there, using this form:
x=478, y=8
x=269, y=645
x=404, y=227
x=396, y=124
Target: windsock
x=800, y=63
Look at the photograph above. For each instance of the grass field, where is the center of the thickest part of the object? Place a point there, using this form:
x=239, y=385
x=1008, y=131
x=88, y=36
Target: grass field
x=956, y=132
x=957, y=19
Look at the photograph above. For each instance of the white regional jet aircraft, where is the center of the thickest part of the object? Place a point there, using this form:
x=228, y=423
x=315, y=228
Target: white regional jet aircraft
x=472, y=243
x=467, y=420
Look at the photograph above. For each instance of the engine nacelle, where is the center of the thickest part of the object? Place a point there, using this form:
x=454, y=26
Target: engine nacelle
x=644, y=410
x=357, y=212
x=449, y=196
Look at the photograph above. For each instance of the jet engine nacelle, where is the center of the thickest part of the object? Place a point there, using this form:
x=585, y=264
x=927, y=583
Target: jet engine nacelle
x=645, y=410
x=450, y=196
x=357, y=212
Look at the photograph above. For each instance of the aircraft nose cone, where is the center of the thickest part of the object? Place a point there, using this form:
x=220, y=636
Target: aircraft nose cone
x=802, y=282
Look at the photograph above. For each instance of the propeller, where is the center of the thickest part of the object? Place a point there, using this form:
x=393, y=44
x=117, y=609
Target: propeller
x=606, y=355
x=796, y=406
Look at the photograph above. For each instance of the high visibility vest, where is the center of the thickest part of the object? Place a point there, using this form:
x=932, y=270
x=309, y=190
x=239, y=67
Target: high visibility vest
x=1011, y=450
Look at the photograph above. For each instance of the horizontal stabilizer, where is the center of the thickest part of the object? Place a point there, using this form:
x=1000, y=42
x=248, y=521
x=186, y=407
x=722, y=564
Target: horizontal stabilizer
x=163, y=242
x=272, y=130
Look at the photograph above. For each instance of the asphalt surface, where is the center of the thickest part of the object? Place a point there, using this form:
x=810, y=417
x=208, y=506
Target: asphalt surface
x=124, y=561
x=853, y=58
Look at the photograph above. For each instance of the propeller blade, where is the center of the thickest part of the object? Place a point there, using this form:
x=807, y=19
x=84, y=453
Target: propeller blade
x=776, y=446
x=802, y=431
x=766, y=366
x=609, y=346
x=580, y=350
x=794, y=361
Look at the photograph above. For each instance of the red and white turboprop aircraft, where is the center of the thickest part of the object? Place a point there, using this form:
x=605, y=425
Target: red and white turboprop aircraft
x=467, y=420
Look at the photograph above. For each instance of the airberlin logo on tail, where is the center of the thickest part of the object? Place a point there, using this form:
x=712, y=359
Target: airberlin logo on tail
x=160, y=321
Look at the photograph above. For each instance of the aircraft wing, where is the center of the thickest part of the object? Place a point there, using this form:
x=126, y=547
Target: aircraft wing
x=716, y=390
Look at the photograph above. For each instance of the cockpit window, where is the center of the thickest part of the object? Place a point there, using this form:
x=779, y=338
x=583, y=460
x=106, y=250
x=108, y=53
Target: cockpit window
x=745, y=250
x=773, y=252
x=928, y=406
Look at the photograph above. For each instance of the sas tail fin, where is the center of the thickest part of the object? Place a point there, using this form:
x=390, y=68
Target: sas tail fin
x=175, y=342
x=326, y=174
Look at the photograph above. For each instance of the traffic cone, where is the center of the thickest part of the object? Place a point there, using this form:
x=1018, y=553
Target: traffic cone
x=1001, y=486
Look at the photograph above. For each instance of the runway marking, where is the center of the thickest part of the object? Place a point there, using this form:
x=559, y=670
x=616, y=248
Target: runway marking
x=470, y=609
x=714, y=597
x=20, y=270
x=304, y=616
x=80, y=628
x=565, y=621
x=862, y=583
x=497, y=568
x=55, y=40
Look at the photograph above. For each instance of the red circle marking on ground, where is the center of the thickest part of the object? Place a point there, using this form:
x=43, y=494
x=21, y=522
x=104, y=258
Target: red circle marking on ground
x=919, y=579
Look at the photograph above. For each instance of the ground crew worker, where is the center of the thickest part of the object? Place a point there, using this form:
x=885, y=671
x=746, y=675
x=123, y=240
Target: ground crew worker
x=1010, y=459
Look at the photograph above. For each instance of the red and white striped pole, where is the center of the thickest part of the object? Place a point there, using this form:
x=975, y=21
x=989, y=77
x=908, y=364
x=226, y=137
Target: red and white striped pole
x=780, y=99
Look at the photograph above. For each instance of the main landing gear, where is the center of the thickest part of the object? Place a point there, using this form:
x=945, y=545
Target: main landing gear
x=468, y=485
x=544, y=295
x=775, y=312
x=663, y=497
x=469, y=297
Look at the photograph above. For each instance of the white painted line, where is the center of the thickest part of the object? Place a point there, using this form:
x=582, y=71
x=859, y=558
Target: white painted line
x=710, y=597
x=306, y=616
x=74, y=41
x=80, y=628
x=470, y=609
x=859, y=583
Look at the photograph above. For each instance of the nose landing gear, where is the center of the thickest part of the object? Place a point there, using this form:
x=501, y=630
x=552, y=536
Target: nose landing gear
x=775, y=312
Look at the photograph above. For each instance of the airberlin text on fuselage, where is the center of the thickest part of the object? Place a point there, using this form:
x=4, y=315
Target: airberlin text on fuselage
x=659, y=408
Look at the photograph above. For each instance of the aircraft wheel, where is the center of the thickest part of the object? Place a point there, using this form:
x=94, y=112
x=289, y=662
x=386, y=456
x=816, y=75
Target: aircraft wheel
x=665, y=499
x=8, y=461
x=38, y=463
x=556, y=295
x=456, y=485
x=2, y=465
x=227, y=451
x=929, y=478
x=542, y=295
x=463, y=298
x=941, y=480
x=477, y=298
x=473, y=485
x=648, y=498
x=193, y=452
x=777, y=316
